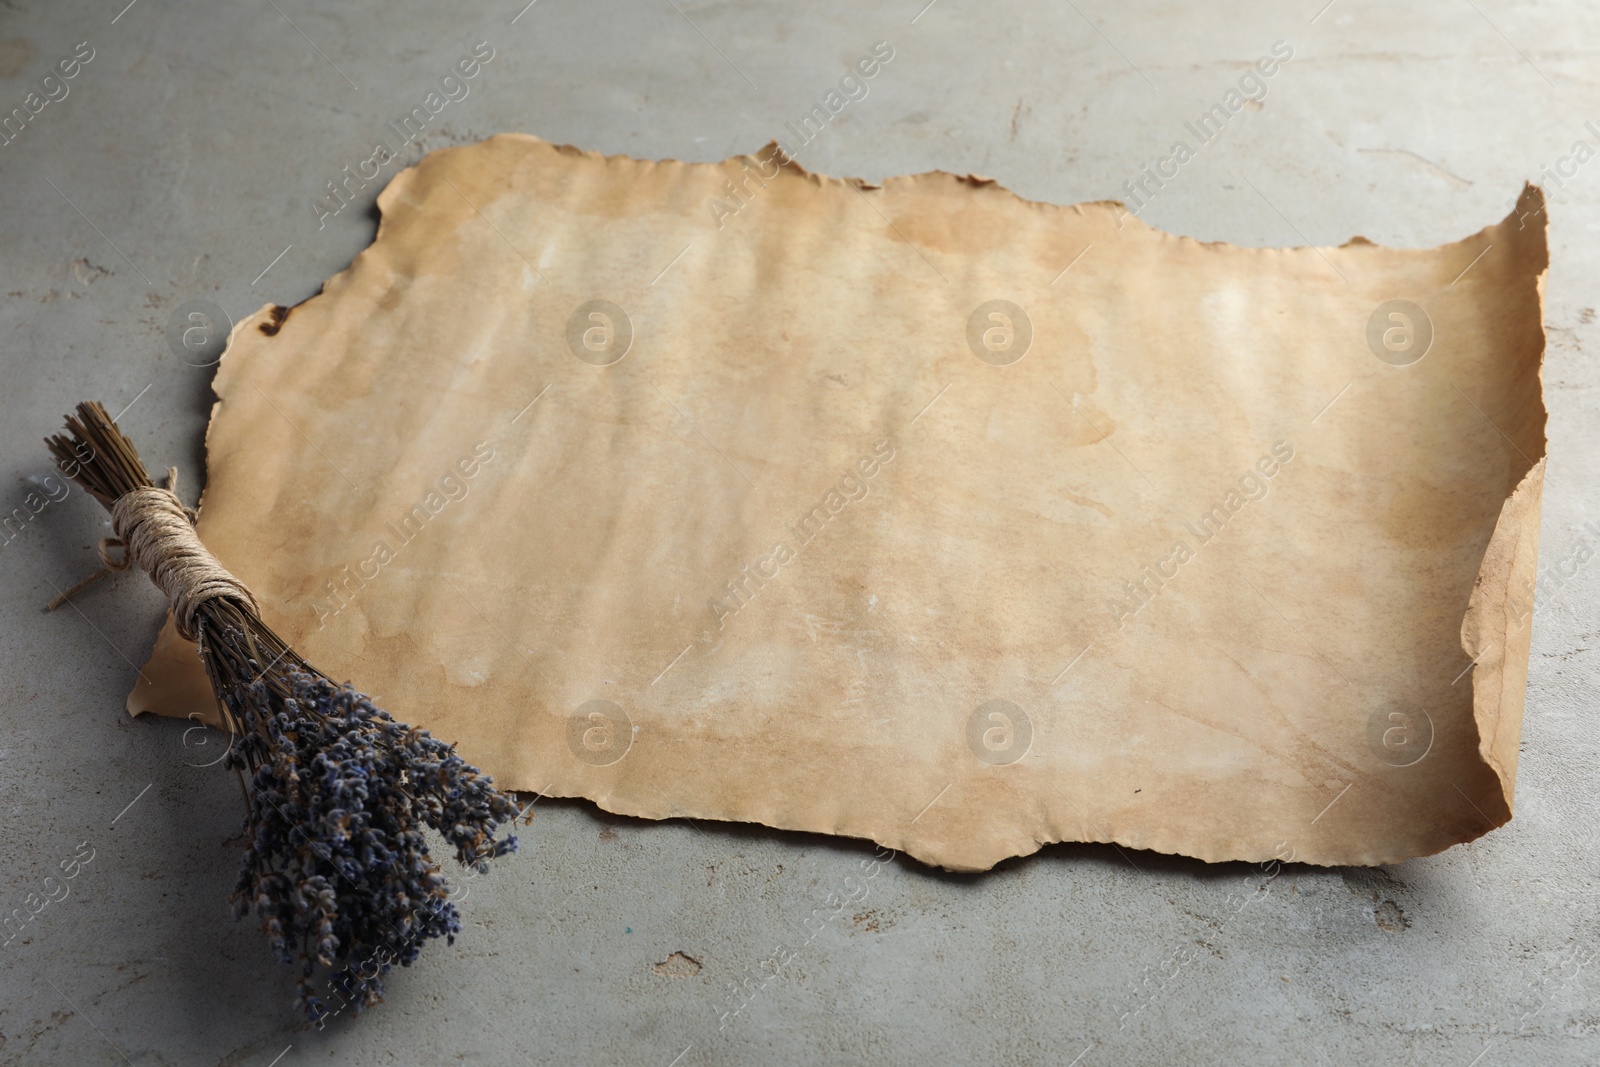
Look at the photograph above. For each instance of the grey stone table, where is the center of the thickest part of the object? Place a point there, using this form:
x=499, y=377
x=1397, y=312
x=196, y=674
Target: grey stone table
x=184, y=160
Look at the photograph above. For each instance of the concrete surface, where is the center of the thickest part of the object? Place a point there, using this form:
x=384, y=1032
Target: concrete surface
x=182, y=165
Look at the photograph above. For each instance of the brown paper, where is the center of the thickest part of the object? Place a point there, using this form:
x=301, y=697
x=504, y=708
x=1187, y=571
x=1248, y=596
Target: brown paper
x=919, y=513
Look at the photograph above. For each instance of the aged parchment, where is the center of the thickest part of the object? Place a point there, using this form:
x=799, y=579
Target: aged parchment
x=920, y=513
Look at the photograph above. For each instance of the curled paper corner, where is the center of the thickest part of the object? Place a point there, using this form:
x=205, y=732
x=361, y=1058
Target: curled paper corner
x=171, y=685
x=932, y=665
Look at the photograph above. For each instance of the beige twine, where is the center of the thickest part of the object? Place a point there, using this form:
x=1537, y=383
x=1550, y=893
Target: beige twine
x=156, y=531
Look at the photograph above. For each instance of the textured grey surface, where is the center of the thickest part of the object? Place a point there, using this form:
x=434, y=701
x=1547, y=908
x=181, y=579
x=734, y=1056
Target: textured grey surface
x=186, y=157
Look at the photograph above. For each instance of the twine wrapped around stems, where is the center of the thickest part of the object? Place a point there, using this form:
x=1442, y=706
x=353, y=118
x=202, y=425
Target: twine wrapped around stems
x=338, y=793
x=158, y=534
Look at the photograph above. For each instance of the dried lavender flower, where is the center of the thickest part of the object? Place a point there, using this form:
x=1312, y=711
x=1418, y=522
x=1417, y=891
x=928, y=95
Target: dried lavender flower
x=338, y=793
x=336, y=865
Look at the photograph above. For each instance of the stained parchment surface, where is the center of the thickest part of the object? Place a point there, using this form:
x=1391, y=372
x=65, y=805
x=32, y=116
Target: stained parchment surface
x=919, y=513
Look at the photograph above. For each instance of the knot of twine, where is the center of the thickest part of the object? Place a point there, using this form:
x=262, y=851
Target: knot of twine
x=157, y=532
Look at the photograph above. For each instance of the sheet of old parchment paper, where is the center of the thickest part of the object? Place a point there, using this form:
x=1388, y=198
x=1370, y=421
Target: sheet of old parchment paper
x=919, y=513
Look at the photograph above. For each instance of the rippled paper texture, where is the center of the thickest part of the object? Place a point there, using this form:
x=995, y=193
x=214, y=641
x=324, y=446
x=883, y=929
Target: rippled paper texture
x=919, y=513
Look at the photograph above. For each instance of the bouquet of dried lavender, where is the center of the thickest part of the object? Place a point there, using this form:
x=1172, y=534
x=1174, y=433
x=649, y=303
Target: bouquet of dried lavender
x=337, y=866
